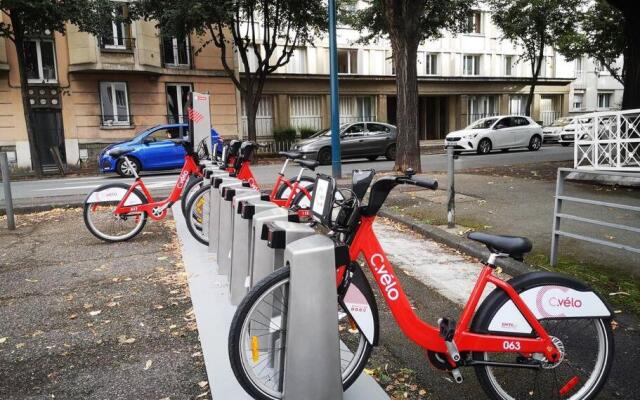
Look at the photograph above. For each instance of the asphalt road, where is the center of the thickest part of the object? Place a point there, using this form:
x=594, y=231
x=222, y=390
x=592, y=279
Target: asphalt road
x=25, y=192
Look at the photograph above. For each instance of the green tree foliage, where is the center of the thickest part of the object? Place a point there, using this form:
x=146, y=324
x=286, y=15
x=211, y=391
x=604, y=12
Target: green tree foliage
x=535, y=25
x=24, y=18
x=407, y=23
x=605, y=31
x=262, y=33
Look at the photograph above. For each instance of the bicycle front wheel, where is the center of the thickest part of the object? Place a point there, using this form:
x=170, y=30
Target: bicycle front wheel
x=197, y=210
x=192, y=186
x=257, y=335
x=101, y=219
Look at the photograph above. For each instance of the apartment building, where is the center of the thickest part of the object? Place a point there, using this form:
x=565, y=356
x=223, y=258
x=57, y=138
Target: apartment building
x=86, y=91
x=594, y=88
x=460, y=79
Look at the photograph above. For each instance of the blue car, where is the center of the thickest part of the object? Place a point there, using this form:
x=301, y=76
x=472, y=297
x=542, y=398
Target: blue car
x=154, y=149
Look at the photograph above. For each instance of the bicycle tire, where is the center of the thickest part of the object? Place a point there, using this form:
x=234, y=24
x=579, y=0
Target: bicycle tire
x=305, y=181
x=273, y=280
x=596, y=379
x=191, y=187
x=108, y=238
x=197, y=232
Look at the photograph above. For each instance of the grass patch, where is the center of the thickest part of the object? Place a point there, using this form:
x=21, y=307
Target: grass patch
x=621, y=290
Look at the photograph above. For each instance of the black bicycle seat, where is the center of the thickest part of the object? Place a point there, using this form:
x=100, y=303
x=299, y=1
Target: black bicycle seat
x=308, y=164
x=119, y=151
x=515, y=246
x=291, y=155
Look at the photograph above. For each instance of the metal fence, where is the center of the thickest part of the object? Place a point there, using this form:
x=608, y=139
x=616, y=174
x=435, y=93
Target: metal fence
x=607, y=141
x=548, y=117
x=560, y=214
x=272, y=146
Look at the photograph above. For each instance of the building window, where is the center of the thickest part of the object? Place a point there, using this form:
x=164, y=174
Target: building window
x=579, y=68
x=471, y=65
x=40, y=60
x=431, y=64
x=347, y=61
x=298, y=62
x=357, y=109
x=177, y=94
x=176, y=52
x=518, y=104
x=115, y=103
x=305, y=112
x=508, y=65
x=120, y=38
x=604, y=101
x=482, y=106
x=578, y=101
x=474, y=22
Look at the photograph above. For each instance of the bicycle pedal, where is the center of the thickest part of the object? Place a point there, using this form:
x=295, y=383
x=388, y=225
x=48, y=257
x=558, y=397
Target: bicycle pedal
x=447, y=328
x=457, y=375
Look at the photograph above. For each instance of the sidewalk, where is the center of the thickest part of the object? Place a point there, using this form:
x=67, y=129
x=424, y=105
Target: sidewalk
x=83, y=319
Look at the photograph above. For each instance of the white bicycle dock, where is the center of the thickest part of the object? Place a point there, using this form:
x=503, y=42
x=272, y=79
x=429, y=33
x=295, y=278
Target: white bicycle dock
x=248, y=238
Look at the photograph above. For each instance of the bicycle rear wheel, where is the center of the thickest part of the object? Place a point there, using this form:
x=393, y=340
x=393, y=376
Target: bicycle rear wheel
x=256, y=348
x=102, y=221
x=192, y=186
x=586, y=348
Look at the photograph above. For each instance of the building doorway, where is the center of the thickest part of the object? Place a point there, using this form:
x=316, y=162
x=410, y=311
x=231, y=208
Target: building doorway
x=432, y=117
x=47, y=129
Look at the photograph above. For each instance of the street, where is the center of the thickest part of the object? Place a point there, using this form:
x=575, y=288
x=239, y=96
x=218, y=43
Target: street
x=30, y=192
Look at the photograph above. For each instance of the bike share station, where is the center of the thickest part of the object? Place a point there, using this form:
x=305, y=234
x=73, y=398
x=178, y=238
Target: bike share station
x=249, y=238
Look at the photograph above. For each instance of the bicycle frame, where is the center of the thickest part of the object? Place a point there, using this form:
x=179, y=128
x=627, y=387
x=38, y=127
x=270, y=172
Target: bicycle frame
x=293, y=188
x=427, y=336
x=157, y=210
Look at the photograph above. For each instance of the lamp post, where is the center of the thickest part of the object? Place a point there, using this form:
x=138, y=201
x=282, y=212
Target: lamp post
x=336, y=164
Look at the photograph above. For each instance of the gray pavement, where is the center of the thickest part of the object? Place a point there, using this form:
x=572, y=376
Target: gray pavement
x=36, y=192
x=85, y=319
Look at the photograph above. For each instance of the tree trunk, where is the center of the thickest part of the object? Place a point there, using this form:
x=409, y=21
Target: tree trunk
x=631, y=96
x=534, y=80
x=26, y=106
x=407, y=145
x=251, y=110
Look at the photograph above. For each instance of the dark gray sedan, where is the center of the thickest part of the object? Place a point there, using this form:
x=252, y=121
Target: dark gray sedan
x=357, y=140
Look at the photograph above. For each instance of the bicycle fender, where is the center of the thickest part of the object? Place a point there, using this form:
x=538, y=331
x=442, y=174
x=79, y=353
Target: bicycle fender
x=113, y=192
x=359, y=302
x=548, y=295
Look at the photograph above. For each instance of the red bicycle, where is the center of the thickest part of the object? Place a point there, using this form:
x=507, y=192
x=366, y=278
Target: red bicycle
x=295, y=192
x=540, y=335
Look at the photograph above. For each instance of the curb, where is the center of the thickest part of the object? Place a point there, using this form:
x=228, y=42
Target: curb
x=467, y=246
x=44, y=207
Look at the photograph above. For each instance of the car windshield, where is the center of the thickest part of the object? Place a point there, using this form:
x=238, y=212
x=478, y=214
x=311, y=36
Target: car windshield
x=326, y=132
x=142, y=134
x=483, y=123
x=561, y=122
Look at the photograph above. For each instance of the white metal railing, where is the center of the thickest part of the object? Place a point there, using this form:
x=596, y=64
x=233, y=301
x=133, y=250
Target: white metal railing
x=607, y=141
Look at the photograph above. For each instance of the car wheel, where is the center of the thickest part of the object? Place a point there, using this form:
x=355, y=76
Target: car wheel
x=372, y=158
x=484, y=147
x=535, y=143
x=390, y=154
x=123, y=170
x=565, y=144
x=324, y=156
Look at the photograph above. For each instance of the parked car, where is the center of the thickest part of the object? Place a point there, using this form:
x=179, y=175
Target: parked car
x=357, y=140
x=568, y=133
x=551, y=133
x=501, y=132
x=154, y=149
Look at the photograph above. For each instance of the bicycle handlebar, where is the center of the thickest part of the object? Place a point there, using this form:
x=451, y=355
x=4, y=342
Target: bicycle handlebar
x=420, y=182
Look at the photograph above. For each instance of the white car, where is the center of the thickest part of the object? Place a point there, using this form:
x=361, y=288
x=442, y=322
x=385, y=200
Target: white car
x=493, y=133
x=551, y=133
x=568, y=133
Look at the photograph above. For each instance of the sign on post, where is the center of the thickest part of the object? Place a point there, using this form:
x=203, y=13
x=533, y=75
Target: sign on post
x=200, y=120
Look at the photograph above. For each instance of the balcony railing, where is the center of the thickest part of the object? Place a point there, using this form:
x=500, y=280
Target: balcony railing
x=548, y=117
x=109, y=120
x=306, y=121
x=117, y=43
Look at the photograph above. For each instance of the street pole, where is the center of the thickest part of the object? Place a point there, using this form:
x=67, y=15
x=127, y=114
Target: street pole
x=6, y=183
x=336, y=164
x=451, y=190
